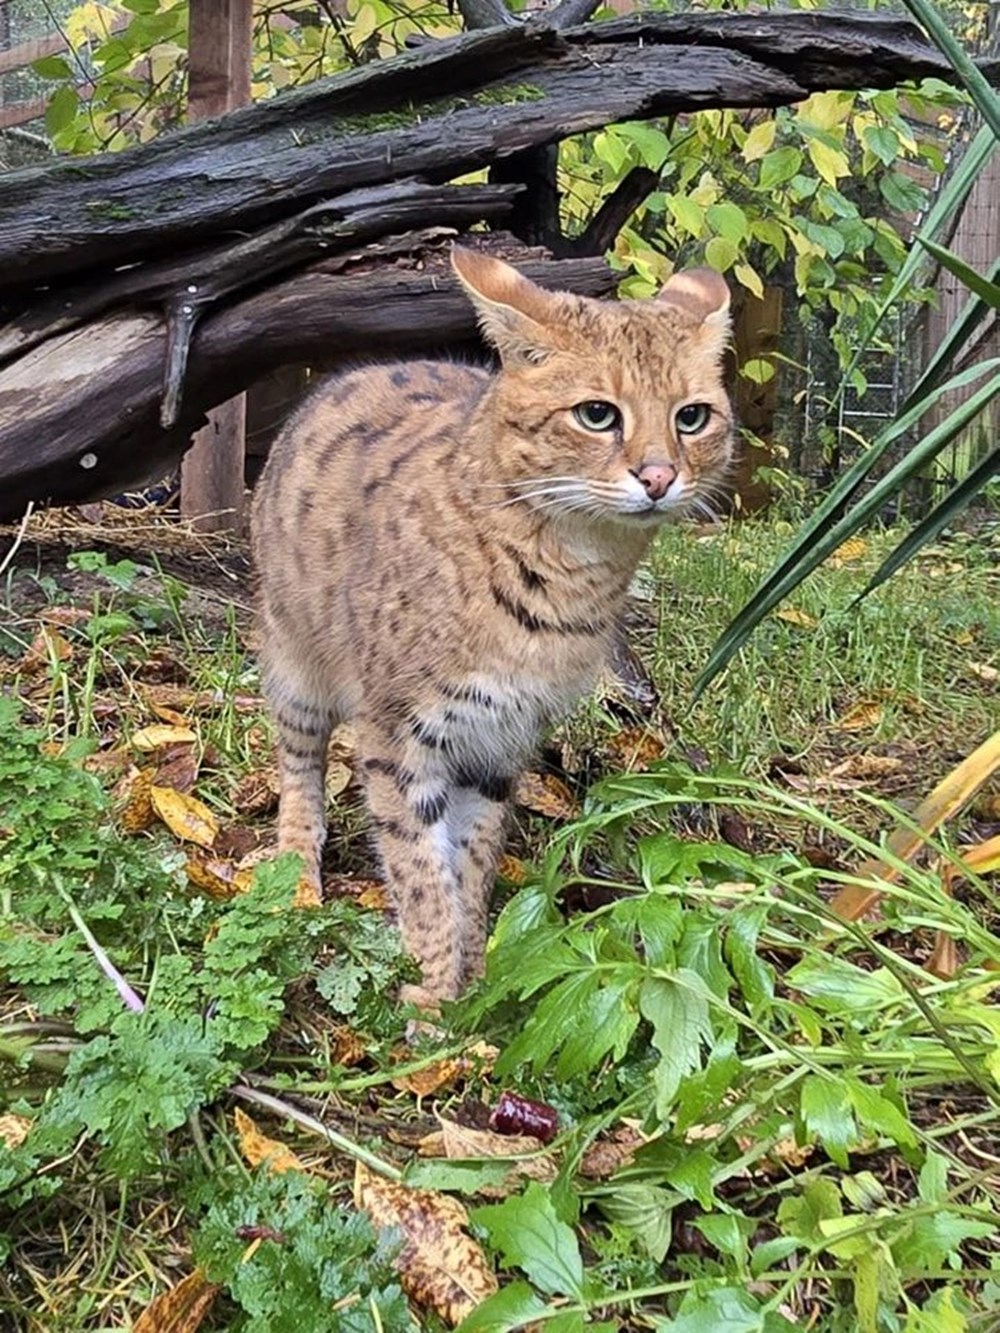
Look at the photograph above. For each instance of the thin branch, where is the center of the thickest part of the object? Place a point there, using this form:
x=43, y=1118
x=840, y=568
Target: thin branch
x=277, y=1106
x=485, y=14
x=612, y=215
x=569, y=13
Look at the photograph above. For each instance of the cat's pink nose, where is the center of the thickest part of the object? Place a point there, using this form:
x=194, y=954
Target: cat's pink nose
x=656, y=477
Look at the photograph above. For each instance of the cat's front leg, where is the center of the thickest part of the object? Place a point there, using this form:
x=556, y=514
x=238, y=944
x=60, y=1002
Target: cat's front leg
x=477, y=822
x=303, y=735
x=408, y=809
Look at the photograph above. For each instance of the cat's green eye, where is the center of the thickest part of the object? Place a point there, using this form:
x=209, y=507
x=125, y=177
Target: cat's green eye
x=597, y=415
x=692, y=418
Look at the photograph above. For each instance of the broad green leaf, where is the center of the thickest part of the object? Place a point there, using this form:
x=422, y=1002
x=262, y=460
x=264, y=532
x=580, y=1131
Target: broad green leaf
x=829, y=239
x=729, y=221
x=878, y=1113
x=758, y=370
x=604, y=1022
x=802, y=1215
x=728, y=1233
x=552, y=1021
x=653, y=145
x=647, y=1210
x=720, y=253
x=754, y=977
x=686, y=213
x=750, y=279
x=883, y=141
x=53, y=67
x=901, y=193
x=938, y=1315
x=932, y=1184
x=678, y=1010
x=778, y=166
x=512, y=1307
x=826, y=110
x=827, y=1115
x=61, y=110
x=528, y=1234
x=724, y=1310
x=830, y=163
x=932, y=1240
x=760, y=140
x=841, y=987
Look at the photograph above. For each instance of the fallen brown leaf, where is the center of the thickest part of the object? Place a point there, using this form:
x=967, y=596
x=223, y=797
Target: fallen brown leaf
x=107, y=763
x=633, y=749
x=862, y=716
x=178, y=767
x=608, y=1155
x=546, y=795
x=48, y=644
x=257, y=793
x=346, y=1046
x=528, y=1160
x=440, y=1266
x=136, y=812
x=338, y=779
x=159, y=734
x=259, y=1150
x=984, y=672
x=181, y=1309
x=218, y=878
x=64, y=616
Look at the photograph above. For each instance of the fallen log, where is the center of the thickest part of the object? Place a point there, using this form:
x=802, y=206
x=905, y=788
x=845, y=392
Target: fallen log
x=79, y=415
x=447, y=108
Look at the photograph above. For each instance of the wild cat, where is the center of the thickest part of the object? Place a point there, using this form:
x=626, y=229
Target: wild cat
x=442, y=555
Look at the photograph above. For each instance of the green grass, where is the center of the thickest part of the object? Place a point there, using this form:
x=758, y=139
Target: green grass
x=809, y=1118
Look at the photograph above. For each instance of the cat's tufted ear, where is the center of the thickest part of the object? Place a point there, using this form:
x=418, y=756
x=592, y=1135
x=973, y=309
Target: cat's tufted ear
x=704, y=293
x=513, y=312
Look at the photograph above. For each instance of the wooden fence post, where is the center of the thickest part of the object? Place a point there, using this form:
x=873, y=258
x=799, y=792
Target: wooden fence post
x=219, y=52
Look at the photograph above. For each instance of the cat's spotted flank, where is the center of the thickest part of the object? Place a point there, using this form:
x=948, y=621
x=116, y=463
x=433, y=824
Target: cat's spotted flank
x=443, y=553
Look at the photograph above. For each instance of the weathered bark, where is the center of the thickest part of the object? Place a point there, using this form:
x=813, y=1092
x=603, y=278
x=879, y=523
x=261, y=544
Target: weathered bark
x=79, y=416
x=94, y=352
x=444, y=109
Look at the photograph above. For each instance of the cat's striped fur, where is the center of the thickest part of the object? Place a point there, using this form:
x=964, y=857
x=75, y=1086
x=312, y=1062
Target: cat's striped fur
x=443, y=553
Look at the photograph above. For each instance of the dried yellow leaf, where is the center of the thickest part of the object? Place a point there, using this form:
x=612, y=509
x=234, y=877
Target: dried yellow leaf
x=218, y=878
x=258, y=1149
x=338, y=779
x=546, y=795
x=136, y=812
x=853, y=549
x=14, y=1129
x=792, y=616
x=47, y=645
x=634, y=749
x=862, y=716
x=159, y=734
x=440, y=1266
x=185, y=816
x=513, y=870
x=984, y=672
x=181, y=1309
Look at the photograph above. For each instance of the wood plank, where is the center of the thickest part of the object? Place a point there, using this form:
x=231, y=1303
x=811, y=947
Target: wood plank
x=219, y=41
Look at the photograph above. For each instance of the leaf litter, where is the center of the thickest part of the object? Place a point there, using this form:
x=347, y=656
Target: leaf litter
x=624, y=1169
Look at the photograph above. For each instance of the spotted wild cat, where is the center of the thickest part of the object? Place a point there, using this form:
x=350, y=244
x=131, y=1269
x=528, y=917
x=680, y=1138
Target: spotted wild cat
x=443, y=553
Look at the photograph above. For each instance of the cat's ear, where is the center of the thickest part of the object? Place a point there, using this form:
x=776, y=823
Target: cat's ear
x=512, y=311
x=704, y=293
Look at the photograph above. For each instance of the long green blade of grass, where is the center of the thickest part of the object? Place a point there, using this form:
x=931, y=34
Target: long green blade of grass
x=943, y=212
x=957, y=499
x=823, y=533
x=930, y=17
x=958, y=339
x=988, y=291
